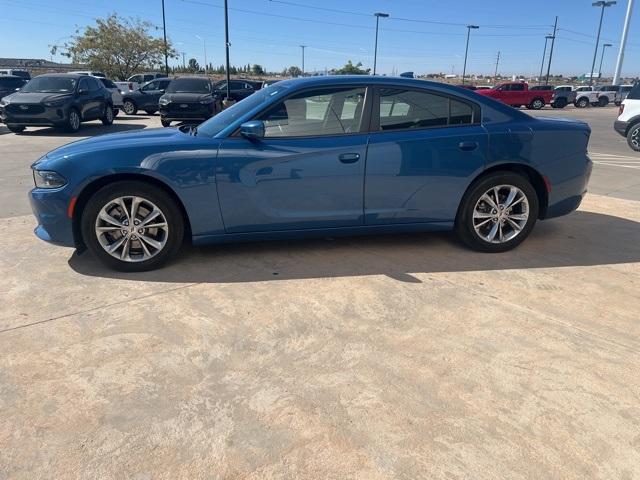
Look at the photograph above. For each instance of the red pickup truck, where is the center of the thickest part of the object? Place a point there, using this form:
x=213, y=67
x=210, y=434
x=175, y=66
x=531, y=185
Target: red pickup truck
x=517, y=94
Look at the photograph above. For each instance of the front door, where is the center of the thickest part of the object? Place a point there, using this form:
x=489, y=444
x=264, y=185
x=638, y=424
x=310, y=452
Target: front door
x=308, y=170
x=424, y=149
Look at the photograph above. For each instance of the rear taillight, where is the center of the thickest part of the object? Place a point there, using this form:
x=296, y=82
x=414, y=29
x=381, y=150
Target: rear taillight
x=621, y=109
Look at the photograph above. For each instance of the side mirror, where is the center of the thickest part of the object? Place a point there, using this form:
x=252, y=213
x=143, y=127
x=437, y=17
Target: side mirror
x=83, y=91
x=253, y=130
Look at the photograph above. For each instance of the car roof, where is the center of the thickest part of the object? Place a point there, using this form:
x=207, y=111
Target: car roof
x=63, y=75
x=14, y=77
x=189, y=77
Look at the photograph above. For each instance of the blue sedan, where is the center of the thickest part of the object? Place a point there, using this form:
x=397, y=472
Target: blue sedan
x=315, y=157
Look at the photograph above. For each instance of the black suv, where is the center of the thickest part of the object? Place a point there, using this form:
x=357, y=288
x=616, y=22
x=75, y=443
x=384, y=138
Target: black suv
x=10, y=84
x=146, y=97
x=238, y=89
x=61, y=100
x=189, y=99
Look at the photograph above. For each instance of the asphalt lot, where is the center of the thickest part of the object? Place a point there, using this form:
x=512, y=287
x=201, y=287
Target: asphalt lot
x=367, y=358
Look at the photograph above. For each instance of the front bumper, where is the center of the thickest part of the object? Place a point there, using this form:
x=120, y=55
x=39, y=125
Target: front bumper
x=50, y=210
x=34, y=115
x=621, y=127
x=187, y=111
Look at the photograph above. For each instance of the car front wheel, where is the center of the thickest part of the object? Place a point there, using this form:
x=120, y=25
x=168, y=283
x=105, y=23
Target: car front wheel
x=633, y=137
x=497, y=213
x=129, y=107
x=74, y=121
x=132, y=226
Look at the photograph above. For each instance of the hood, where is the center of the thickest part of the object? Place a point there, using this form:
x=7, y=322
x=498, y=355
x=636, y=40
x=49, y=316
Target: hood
x=35, y=97
x=185, y=97
x=150, y=138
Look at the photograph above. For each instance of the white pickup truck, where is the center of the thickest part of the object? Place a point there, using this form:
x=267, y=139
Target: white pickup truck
x=136, y=81
x=598, y=96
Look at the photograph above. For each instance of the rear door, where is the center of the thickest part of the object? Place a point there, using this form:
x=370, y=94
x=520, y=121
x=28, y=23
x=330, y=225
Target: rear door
x=424, y=149
x=308, y=170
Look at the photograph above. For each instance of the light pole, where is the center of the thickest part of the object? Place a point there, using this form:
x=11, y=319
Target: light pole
x=623, y=43
x=466, y=52
x=378, y=15
x=204, y=45
x=602, y=4
x=164, y=33
x=544, y=54
x=553, y=43
x=604, y=45
x=303, y=47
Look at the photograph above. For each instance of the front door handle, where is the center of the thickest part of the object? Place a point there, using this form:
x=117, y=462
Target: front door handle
x=349, y=157
x=468, y=146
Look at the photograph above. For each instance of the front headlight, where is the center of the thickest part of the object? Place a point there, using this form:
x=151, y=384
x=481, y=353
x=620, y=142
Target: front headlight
x=48, y=179
x=164, y=101
x=55, y=103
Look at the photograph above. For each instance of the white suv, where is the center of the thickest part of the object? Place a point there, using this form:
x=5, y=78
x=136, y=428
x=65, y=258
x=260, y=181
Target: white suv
x=628, y=122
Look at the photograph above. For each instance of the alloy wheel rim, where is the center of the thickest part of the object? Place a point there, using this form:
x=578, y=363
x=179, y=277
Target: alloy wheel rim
x=501, y=214
x=635, y=138
x=128, y=108
x=131, y=229
x=75, y=120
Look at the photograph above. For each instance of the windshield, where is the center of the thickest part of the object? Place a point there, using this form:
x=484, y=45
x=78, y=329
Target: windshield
x=222, y=120
x=189, y=85
x=50, y=85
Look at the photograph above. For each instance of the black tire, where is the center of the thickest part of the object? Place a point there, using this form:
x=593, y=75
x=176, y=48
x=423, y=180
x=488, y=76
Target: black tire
x=464, y=225
x=165, y=123
x=74, y=121
x=150, y=112
x=158, y=197
x=16, y=128
x=582, y=102
x=536, y=104
x=129, y=107
x=560, y=103
x=107, y=118
x=603, y=101
x=633, y=137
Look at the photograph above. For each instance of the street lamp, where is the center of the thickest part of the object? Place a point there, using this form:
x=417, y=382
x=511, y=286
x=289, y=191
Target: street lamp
x=204, y=45
x=602, y=4
x=466, y=52
x=303, y=47
x=164, y=33
x=604, y=45
x=378, y=15
x=544, y=54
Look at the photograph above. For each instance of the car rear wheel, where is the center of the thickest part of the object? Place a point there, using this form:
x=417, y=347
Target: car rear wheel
x=497, y=213
x=132, y=226
x=165, y=123
x=107, y=118
x=633, y=137
x=582, y=103
x=560, y=103
x=537, y=104
x=603, y=101
x=16, y=128
x=73, y=121
x=129, y=107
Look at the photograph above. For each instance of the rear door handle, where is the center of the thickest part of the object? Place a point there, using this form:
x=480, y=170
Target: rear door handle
x=349, y=157
x=468, y=146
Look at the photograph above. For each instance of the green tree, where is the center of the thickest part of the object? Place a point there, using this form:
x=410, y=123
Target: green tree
x=119, y=47
x=351, y=69
x=193, y=65
x=294, y=71
x=257, y=69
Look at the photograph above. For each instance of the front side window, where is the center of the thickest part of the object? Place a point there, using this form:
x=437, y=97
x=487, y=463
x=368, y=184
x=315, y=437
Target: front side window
x=327, y=111
x=403, y=109
x=150, y=86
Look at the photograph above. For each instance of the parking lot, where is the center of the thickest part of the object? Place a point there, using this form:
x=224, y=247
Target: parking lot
x=371, y=357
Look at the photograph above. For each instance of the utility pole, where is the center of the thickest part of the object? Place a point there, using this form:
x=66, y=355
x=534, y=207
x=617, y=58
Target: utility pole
x=164, y=32
x=603, y=4
x=184, y=65
x=495, y=75
x=544, y=56
x=604, y=45
x=623, y=43
x=303, y=47
x=378, y=15
x=553, y=43
x=227, y=44
x=466, y=52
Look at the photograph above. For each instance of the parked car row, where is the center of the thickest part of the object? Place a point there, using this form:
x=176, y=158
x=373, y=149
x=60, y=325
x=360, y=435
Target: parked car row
x=628, y=122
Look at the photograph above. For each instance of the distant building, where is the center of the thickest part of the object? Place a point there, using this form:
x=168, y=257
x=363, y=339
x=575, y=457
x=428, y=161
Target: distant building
x=37, y=66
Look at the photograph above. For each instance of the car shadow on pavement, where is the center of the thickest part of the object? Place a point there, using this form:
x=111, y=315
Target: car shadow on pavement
x=581, y=239
x=87, y=130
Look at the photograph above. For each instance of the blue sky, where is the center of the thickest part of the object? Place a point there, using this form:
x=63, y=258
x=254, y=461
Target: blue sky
x=420, y=35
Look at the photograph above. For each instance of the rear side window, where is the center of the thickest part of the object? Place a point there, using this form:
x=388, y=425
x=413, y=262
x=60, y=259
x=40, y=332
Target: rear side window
x=108, y=83
x=404, y=109
x=634, y=94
